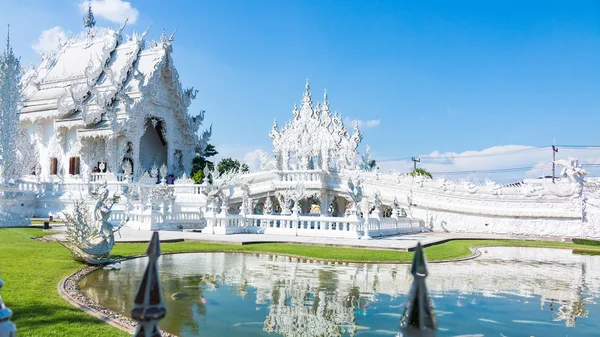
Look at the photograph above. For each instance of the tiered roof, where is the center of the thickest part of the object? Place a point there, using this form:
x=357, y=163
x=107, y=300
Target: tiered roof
x=95, y=79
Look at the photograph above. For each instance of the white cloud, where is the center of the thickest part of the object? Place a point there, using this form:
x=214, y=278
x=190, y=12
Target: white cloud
x=252, y=159
x=532, y=162
x=112, y=10
x=363, y=124
x=49, y=40
x=250, y=155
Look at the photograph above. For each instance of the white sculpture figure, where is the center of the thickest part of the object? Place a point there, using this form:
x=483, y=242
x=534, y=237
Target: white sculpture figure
x=366, y=159
x=221, y=185
x=92, y=235
x=285, y=201
x=289, y=197
x=127, y=169
x=163, y=173
x=245, y=208
x=267, y=162
x=268, y=208
x=355, y=191
x=154, y=171
x=572, y=170
x=377, y=199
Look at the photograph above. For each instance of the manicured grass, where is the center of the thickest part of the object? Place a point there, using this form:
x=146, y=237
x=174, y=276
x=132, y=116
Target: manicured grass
x=449, y=250
x=32, y=270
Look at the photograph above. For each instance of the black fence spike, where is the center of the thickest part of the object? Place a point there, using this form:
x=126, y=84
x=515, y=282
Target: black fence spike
x=149, y=309
x=418, y=319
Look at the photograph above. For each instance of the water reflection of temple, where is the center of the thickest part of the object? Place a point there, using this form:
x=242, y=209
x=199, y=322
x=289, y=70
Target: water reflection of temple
x=309, y=298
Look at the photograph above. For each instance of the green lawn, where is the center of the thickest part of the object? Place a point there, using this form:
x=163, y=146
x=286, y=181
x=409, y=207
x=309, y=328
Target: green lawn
x=32, y=270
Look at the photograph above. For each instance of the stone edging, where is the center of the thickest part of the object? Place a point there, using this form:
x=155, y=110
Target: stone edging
x=69, y=290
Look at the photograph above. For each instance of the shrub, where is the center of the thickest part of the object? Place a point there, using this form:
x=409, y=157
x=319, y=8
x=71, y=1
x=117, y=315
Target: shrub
x=587, y=242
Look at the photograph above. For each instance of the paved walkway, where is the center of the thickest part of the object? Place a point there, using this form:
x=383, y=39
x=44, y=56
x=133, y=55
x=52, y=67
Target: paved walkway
x=398, y=242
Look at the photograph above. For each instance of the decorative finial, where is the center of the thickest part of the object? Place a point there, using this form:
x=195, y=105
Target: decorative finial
x=307, y=101
x=149, y=309
x=7, y=39
x=172, y=36
x=6, y=326
x=88, y=20
x=418, y=319
x=163, y=37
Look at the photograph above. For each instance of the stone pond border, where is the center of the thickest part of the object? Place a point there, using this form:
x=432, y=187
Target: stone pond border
x=68, y=288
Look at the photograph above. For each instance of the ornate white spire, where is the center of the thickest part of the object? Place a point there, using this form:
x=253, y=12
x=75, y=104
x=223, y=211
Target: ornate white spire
x=10, y=91
x=8, y=47
x=307, y=100
x=88, y=20
x=314, y=133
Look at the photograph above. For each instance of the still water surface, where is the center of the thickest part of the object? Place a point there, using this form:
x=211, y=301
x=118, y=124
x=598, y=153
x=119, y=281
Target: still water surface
x=506, y=292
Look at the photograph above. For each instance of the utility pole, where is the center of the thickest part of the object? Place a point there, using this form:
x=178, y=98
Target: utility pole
x=554, y=151
x=415, y=161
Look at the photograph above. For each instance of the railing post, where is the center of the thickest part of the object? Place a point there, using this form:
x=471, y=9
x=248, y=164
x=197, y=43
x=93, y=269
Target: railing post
x=149, y=309
x=211, y=218
x=7, y=328
x=375, y=216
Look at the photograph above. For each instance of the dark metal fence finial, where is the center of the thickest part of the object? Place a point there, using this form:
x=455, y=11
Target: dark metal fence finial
x=418, y=319
x=7, y=328
x=149, y=309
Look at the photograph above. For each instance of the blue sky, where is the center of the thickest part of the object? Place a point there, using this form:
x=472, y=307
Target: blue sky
x=445, y=76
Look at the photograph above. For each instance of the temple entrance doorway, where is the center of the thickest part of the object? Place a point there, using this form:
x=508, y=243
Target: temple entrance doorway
x=153, y=145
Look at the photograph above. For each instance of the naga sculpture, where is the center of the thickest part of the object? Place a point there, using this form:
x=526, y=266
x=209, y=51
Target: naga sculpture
x=91, y=236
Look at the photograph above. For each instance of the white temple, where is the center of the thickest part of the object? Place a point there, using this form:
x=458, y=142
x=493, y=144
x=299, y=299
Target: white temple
x=104, y=99
x=107, y=108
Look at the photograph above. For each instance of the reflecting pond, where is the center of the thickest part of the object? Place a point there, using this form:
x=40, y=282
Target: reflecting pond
x=506, y=292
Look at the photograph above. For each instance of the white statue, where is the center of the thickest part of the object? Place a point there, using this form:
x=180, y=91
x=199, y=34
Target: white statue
x=92, y=235
x=355, y=191
x=268, y=207
x=572, y=170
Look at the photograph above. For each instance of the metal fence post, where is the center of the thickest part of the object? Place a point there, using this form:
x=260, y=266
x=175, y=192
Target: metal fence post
x=418, y=319
x=149, y=309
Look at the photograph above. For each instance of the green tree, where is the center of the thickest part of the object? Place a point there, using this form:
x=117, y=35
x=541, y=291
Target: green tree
x=231, y=165
x=420, y=172
x=200, y=161
x=372, y=164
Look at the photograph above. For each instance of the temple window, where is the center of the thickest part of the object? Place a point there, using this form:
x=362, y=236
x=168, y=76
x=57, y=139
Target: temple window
x=53, y=166
x=74, y=165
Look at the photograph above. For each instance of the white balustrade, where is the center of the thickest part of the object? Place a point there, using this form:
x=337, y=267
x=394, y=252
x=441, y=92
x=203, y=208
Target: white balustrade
x=302, y=176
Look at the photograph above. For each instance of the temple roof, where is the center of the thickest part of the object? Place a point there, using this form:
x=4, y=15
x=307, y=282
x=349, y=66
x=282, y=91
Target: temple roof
x=96, y=60
x=100, y=75
x=315, y=132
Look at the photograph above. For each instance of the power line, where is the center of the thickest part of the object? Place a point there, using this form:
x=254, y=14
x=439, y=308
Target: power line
x=502, y=170
x=495, y=154
x=507, y=170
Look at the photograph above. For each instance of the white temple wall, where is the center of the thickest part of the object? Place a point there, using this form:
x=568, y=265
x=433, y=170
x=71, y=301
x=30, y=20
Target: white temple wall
x=70, y=139
x=454, y=222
